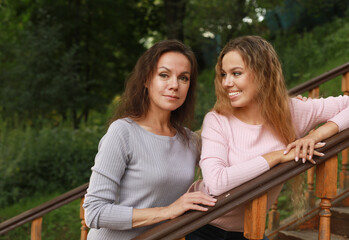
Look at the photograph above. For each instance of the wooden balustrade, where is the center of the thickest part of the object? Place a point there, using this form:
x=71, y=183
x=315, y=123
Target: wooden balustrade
x=84, y=228
x=36, y=229
x=255, y=216
x=252, y=193
x=344, y=174
x=310, y=198
x=314, y=92
x=274, y=217
x=34, y=215
x=326, y=189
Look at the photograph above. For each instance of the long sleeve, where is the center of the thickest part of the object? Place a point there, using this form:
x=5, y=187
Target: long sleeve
x=135, y=169
x=219, y=174
x=307, y=115
x=101, y=208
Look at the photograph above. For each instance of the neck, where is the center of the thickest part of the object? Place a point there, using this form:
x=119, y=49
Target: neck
x=157, y=123
x=250, y=114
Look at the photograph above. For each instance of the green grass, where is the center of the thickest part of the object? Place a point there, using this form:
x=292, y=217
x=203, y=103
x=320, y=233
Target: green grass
x=62, y=223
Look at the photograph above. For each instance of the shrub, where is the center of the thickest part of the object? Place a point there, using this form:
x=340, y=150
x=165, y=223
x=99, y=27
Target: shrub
x=45, y=160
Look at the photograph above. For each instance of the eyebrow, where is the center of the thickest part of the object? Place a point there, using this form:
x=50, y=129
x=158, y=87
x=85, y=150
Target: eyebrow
x=170, y=70
x=234, y=68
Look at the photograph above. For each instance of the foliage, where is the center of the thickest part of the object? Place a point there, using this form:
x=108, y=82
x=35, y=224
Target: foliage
x=62, y=223
x=66, y=58
x=209, y=25
x=310, y=54
x=205, y=96
x=44, y=160
x=290, y=16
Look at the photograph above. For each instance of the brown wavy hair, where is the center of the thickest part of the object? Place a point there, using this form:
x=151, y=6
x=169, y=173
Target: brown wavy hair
x=261, y=58
x=134, y=102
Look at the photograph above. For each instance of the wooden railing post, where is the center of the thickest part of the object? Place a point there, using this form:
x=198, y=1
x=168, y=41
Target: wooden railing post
x=84, y=228
x=255, y=217
x=273, y=219
x=344, y=174
x=310, y=198
x=326, y=188
x=35, y=233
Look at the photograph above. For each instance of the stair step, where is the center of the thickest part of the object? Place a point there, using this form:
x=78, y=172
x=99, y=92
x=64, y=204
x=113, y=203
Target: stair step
x=340, y=221
x=305, y=235
x=341, y=210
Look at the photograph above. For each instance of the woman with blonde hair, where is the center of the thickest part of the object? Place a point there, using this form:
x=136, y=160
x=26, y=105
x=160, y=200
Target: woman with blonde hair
x=146, y=160
x=254, y=125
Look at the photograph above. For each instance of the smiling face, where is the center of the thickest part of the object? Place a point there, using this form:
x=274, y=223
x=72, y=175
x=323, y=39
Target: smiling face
x=238, y=81
x=170, y=83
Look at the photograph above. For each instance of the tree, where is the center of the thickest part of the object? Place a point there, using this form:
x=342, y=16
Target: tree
x=69, y=57
x=209, y=25
x=175, y=13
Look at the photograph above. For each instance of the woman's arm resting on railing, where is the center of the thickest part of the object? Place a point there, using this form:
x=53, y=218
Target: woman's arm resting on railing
x=303, y=147
x=307, y=115
x=306, y=145
x=188, y=201
x=276, y=157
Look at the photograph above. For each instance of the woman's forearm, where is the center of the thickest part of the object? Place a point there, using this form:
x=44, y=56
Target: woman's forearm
x=273, y=158
x=188, y=201
x=323, y=132
x=148, y=216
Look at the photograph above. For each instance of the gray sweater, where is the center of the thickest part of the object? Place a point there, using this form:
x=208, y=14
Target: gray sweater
x=135, y=168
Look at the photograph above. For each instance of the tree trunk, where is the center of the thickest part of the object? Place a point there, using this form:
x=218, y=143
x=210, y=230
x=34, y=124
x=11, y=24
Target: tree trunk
x=174, y=16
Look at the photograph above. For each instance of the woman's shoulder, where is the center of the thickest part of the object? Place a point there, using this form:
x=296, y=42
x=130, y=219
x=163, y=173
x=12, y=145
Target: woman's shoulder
x=214, y=116
x=122, y=126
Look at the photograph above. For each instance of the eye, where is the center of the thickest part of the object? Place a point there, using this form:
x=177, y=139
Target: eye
x=237, y=73
x=223, y=74
x=184, y=78
x=163, y=75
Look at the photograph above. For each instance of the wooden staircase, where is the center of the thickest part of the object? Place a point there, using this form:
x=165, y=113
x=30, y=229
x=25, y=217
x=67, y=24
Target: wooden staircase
x=306, y=226
x=328, y=218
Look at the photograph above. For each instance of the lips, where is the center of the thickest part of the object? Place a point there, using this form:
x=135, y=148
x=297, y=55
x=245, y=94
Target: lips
x=235, y=93
x=172, y=96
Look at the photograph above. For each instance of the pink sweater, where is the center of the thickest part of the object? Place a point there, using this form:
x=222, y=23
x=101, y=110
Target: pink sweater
x=232, y=150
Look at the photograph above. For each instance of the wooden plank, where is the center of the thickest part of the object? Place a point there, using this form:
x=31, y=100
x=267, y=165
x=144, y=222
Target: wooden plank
x=325, y=219
x=326, y=178
x=255, y=217
x=35, y=233
x=84, y=228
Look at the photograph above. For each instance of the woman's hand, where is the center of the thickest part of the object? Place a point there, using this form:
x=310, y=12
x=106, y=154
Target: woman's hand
x=189, y=201
x=304, y=148
x=300, y=97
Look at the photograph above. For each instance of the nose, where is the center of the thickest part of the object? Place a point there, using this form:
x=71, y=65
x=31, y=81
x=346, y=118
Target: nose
x=173, y=83
x=228, y=80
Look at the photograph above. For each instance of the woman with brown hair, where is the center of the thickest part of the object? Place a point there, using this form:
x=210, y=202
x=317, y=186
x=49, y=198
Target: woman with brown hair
x=146, y=160
x=254, y=126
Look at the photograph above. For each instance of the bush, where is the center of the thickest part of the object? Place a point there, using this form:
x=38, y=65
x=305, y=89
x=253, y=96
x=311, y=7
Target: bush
x=310, y=54
x=44, y=160
x=205, y=96
x=62, y=223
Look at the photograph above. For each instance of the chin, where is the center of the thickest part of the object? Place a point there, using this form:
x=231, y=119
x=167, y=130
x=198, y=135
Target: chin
x=238, y=104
